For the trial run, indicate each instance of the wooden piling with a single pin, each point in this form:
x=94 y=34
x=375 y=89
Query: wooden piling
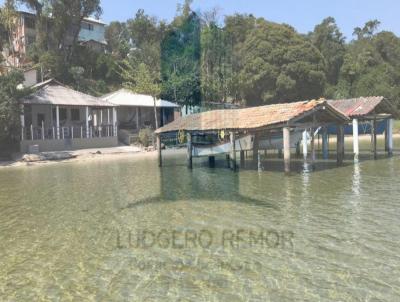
x=389 y=130
x=211 y=161
x=242 y=159
x=312 y=145
x=340 y=144
x=255 y=147
x=305 y=144
x=158 y=138
x=374 y=140
x=325 y=143
x=233 y=150
x=189 y=151
x=286 y=148
x=356 y=146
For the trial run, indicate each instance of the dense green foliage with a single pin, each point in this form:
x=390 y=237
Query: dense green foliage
x=9 y=105
x=196 y=58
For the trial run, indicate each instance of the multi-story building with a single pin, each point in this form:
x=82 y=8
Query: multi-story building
x=91 y=34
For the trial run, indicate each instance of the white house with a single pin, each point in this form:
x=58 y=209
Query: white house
x=56 y=118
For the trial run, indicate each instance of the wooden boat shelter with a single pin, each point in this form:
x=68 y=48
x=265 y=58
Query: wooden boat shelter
x=246 y=126
x=371 y=110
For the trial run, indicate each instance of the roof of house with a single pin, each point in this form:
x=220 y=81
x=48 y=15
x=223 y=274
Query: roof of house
x=52 y=92
x=254 y=118
x=363 y=106
x=125 y=97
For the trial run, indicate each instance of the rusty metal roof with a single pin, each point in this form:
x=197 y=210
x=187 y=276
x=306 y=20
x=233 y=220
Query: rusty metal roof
x=52 y=92
x=252 y=118
x=363 y=106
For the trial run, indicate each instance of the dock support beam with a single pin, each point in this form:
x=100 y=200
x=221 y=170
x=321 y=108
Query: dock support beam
x=305 y=144
x=233 y=150
x=242 y=159
x=189 y=151
x=159 y=150
x=325 y=143
x=389 y=136
x=340 y=144
x=374 y=140
x=356 y=143
x=255 y=148
x=312 y=145
x=211 y=161
x=286 y=148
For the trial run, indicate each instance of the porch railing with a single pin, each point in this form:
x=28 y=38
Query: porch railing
x=71 y=132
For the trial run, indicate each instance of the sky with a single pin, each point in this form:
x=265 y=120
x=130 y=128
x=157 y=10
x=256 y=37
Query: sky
x=301 y=14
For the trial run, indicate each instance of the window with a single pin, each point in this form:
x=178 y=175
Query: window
x=30 y=22
x=75 y=115
x=87 y=26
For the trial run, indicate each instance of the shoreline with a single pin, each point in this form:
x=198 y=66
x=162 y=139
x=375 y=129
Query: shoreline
x=86 y=155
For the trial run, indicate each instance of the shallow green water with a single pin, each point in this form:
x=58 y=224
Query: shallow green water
x=331 y=234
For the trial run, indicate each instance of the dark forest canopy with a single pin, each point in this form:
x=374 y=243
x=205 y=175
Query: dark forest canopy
x=194 y=58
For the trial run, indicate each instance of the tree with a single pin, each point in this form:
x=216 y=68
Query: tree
x=331 y=43
x=143 y=81
x=180 y=60
x=278 y=65
x=9 y=105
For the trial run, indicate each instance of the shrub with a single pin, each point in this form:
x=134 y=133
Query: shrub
x=145 y=136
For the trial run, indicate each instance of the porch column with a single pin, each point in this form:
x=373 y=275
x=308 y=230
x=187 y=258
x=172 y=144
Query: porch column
x=115 y=121
x=374 y=141
x=58 y=121
x=389 y=130
x=22 y=117
x=340 y=144
x=233 y=150
x=325 y=143
x=356 y=143
x=87 y=121
x=189 y=151
x=108 y=121
x=286 y=148
x=159 y=150
x=305 y=144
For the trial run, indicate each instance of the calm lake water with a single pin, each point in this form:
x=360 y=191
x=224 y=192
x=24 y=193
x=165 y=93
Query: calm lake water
x=125 y=230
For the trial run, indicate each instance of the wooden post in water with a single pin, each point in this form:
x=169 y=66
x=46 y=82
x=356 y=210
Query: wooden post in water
x=389 y=130
x=356 y=144
x=340 y=144
x=312 y=145
x=233 y=149
x=228 y=161
x=211 y=161
x=305 y=144
x=189 y=151
x=325 y=143
x=242 y=159
x=255 y=147
x=158 y=137
x=286 y=148
x=374 y=141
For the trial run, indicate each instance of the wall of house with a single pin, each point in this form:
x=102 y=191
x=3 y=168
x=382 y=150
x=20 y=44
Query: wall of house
x=70 y=144
x=30 y=78
x=96 y=32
